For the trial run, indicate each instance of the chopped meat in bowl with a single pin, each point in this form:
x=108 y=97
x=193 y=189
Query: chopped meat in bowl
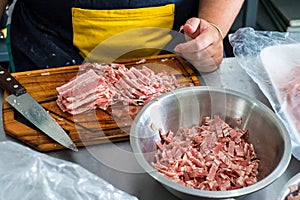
x=209 y=156
x=263 y=140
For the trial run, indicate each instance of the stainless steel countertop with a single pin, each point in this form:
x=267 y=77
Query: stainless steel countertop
x=118 y=171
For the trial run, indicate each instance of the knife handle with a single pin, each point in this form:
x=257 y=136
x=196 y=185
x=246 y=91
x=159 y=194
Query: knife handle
x=9 y=83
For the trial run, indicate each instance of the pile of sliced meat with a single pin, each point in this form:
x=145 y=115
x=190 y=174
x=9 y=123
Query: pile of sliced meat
x=212 y=156
x=102 y=85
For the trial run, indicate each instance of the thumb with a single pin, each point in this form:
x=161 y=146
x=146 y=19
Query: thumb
x=192 y=27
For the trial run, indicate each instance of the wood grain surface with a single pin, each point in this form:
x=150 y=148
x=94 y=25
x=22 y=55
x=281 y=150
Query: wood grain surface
x=91 y=127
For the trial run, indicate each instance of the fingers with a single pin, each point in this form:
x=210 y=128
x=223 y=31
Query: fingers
x=204 y=56
x=206 y=60
x=199 y=43
x=207 y=35
x=205 y=49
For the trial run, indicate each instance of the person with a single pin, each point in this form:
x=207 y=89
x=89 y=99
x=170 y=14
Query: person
x=44 y=34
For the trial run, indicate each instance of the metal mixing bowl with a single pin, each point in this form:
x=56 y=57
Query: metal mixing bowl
x=285 y=190
x=185 y=108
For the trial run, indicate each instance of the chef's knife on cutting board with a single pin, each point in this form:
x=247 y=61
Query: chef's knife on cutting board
x=32 y=110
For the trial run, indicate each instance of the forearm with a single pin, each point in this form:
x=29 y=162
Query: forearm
x=3 y=4
x=220 y=12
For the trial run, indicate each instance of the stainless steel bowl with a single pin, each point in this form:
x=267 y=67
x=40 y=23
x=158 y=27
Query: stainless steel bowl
x=185 y=108
x=285 y=190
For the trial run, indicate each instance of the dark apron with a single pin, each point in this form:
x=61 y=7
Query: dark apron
x=41 y=32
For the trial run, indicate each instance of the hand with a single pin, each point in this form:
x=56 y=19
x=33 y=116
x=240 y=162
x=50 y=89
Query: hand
x=204 y=46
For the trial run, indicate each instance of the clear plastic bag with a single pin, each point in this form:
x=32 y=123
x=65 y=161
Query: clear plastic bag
x=29 y=175
x=272 y=60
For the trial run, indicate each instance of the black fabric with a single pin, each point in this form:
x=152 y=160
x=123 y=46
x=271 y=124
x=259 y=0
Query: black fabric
x=41 y=34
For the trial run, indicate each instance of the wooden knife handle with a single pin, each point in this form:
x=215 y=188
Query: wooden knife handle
x=9 y=83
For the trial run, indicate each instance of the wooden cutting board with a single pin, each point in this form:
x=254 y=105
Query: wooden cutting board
x=92 y=127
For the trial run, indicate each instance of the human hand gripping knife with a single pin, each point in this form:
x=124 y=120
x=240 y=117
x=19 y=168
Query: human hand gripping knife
x=32 y=110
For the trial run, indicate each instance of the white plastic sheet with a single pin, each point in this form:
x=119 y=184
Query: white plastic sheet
x=29 y=175
x=272 y=60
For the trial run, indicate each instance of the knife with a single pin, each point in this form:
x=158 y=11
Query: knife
x=32 y=110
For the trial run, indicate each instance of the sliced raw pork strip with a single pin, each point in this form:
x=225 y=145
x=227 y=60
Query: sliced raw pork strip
x=85 y=92
x=102 y=85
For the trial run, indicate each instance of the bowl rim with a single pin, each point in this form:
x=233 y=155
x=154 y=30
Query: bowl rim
x=277 y=172
x=285 y=189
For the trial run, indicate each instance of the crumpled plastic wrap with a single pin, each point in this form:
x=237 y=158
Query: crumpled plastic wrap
x=28 y=175
x=263 y=55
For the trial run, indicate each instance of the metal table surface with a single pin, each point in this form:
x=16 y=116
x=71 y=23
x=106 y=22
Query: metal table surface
x=107 y=162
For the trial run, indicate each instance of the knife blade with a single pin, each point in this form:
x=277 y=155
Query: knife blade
x=26 y=105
